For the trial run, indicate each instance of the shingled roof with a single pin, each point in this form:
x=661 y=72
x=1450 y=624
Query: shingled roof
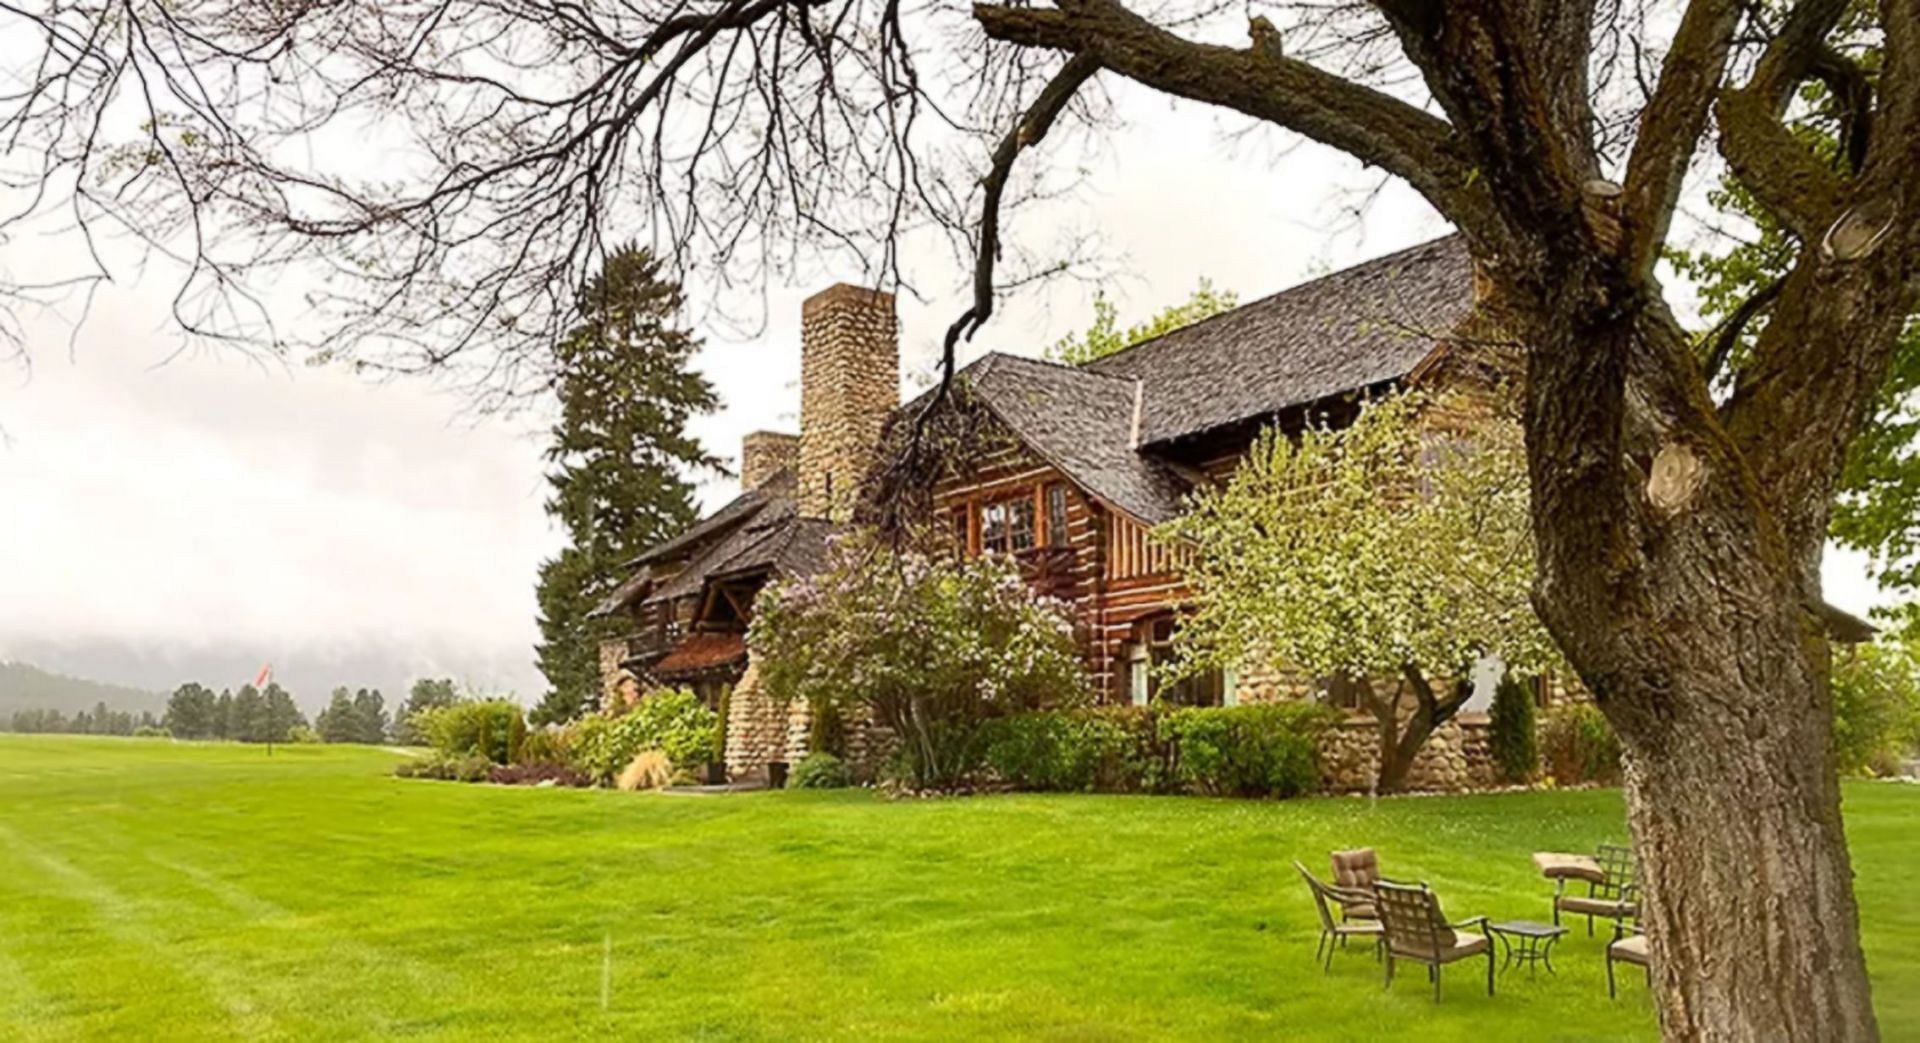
x=1354 y=329
x=1080 y=421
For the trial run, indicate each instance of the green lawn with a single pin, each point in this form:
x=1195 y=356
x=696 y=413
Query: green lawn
x=151 y=890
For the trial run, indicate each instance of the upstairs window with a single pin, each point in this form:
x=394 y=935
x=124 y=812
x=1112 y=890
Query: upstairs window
x=1006 y=527
x=1057 y=515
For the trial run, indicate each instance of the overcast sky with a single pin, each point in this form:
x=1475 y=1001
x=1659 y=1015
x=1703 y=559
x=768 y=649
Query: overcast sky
x=163 y=521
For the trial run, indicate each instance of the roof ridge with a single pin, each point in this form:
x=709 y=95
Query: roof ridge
x=1069 y=367
x=1348 y=270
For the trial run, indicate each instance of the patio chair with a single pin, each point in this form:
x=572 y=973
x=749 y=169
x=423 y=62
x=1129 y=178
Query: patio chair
x=1334 y=933
x=1355 y=873
x=1417 y=930
x=1611 y=896
x=1629 y=945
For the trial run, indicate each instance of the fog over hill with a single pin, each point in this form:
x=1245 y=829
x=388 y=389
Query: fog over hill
x=136 y=670
x=24 y=686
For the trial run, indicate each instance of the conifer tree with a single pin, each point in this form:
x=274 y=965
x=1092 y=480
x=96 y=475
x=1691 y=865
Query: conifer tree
x=620 y=458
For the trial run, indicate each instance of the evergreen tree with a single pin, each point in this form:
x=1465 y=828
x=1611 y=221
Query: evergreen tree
x=336 y=723
x=190 y=712
x=223 y=716
x=247 y=719
x=279 y=715
x=369 y=716
x=1510 y=731
x=619 y=456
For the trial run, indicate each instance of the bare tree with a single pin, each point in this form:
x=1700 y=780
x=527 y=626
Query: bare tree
x=1679 y=537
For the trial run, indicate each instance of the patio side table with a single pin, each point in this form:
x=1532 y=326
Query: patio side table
x=1526 y=943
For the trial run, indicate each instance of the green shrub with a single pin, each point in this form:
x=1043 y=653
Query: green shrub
x=1266 y=750
x=1876 y=708
x=673 y=721
x=1578 y=745
x=1106 y=749
x=302 y=735
x=820 y=770
x=467 y=767
x=148 y=731
x=491 y=728
x=1510 y=731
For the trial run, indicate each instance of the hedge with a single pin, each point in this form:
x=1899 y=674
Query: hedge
x=1267 y=750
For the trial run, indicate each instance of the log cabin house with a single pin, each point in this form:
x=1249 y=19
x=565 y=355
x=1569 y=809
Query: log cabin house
x=1077 y=464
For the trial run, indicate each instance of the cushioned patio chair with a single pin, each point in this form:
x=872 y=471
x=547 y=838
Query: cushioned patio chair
x=1629 y=945
x=1334 y=933
x=1610 y=897
x=1416 y=930
x=1355 y=873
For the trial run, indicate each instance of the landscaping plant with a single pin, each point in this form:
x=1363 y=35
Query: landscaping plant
x=671 y=720
x=491 y=728
x=820 y=770
x=1396 y=551
x=1510 y=731
x=929 y=645
x=1876 y=707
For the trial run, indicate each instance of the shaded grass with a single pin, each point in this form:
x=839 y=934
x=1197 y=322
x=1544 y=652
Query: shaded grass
x=159 y=890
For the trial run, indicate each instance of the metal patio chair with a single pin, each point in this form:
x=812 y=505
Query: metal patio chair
x=1417 y=930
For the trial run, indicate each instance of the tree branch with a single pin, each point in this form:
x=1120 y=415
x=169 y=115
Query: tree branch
x=1780 y=172
x=1258 y=81
x=1671 y=126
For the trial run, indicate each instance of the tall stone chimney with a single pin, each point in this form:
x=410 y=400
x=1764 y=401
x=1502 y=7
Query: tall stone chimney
x=764 y=454
x=849 y=383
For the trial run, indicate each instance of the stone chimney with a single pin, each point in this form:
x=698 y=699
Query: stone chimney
x=764 y=454
x=849 y=384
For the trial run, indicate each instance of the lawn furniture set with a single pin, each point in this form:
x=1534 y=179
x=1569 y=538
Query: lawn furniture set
x=1404 y=921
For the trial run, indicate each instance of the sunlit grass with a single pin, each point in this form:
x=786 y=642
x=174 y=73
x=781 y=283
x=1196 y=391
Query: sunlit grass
x=151 y=890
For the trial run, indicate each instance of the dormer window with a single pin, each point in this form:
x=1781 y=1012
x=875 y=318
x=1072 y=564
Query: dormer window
x=1006 y=527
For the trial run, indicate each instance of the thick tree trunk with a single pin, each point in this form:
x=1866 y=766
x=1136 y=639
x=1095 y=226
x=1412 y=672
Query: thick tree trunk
x=1736 y=817
x=1670 y=583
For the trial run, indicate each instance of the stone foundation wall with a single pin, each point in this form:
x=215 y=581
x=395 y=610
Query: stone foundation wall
x=618 y=686
x=756 y=728
x=1456 y=758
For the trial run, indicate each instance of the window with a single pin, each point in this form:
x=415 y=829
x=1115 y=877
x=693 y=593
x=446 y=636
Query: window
x=1152 y=651
x=1007 y=527
x=1342 y=691
x=1057 y=515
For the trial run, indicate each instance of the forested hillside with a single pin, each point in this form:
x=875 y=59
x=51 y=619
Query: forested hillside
x=27 y=687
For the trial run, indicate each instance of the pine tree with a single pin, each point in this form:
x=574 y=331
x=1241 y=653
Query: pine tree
x=247 y=718
x=191 y=711
x=620 y=455
x=336 y=723
x=279 y=715
x=369 y=716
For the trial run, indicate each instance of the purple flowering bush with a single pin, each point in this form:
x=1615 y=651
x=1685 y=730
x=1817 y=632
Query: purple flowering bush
x=931 y=646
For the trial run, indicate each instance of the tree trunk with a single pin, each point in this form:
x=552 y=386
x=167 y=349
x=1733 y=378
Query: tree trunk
x=1668 y=580
x=1748 y=888
x=1400 y=744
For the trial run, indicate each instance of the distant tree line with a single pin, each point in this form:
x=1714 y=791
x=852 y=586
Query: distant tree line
x=98 y=721
x=251 y=714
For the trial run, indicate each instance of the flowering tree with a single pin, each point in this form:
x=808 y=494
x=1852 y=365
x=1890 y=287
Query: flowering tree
x=929 y=645
x=1392 y=552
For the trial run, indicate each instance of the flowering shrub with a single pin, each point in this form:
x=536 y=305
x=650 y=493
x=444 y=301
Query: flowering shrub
x=931 y=646
x=671 y=720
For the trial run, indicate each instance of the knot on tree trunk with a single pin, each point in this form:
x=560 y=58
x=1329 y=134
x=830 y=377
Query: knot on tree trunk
x=1675 y=477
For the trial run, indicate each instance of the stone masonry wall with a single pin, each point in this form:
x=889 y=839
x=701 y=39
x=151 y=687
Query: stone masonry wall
x=756 y=727
x=1455 y=759
x=764 y=454
x=618 y=686
x=849 y=383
